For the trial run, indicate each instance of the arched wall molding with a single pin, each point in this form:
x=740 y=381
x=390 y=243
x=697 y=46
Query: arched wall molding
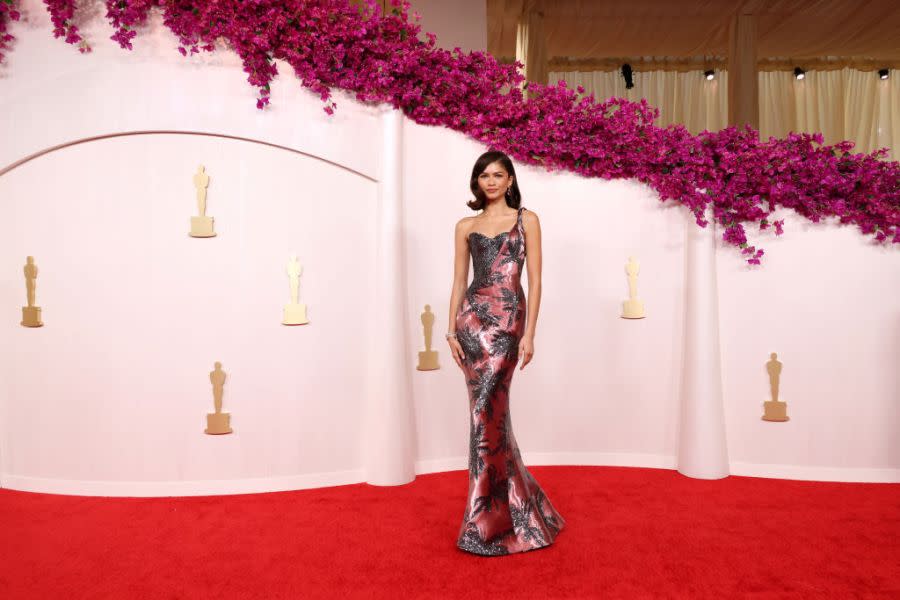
x=40 y=153
x=69 y=96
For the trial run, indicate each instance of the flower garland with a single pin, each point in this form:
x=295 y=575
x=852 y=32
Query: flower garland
x=61 y=13
x=380 y=58
x=8 y=13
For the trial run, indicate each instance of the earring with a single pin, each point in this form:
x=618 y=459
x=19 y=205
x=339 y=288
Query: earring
x=508 y=193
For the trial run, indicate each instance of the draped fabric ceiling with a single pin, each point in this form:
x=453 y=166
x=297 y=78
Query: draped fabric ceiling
x=581 y=34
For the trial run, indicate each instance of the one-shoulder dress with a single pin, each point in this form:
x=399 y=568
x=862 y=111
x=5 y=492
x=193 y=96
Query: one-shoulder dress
x=506 y=510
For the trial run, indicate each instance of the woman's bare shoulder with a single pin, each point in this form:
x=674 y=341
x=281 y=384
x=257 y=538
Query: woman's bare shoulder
x=529 y=216
x=464 y=224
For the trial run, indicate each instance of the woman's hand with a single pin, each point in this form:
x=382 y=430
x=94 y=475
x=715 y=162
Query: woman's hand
x=526 y=350
x=456 y=351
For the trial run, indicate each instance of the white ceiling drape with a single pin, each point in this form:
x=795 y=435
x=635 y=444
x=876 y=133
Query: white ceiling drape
x=686 y=98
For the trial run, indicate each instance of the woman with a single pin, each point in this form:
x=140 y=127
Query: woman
x=507 y=510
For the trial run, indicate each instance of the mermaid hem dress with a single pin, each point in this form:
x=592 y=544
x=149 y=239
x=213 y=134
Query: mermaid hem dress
x=506 y=510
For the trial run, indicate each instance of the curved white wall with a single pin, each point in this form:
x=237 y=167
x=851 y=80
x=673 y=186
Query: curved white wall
x=110 y=396
x=114 y=387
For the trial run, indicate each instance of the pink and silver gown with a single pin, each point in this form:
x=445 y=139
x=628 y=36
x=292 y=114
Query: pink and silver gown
x=506 y=511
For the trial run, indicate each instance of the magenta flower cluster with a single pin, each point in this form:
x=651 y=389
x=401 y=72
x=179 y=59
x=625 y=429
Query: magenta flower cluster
x=336 y=44
x=61 y=14
x=8 y=13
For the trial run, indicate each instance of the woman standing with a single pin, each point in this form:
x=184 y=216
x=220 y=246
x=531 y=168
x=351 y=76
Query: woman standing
x=507 y=511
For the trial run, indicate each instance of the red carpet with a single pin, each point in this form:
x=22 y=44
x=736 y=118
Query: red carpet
x=630 y=533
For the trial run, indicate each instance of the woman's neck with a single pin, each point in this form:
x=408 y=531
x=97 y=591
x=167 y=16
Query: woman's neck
x=497 y=208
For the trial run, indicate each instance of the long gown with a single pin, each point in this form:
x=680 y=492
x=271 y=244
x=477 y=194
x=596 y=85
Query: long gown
x=506 y=511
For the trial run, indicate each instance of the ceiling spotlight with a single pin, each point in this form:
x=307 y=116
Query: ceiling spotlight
x=710 y=75
x=883 y=73
x=626 y=73
x=799 y=73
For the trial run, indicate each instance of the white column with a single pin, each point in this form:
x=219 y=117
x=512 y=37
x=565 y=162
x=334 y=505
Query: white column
x=702 y=449
x=389 y=434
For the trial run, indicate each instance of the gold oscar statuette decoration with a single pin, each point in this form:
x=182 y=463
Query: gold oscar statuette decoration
x=773 y=409
x=201 y=225
x=218 y=422
x=428 y=360
x=31 y=314
x=632 y=308
x=294 y=313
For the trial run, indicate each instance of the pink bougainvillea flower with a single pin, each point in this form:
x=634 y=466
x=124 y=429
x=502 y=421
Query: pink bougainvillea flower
x=381 y=58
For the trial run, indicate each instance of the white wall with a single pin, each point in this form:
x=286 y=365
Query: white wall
x=115 y=386
x=110 y=396
x=600 y=388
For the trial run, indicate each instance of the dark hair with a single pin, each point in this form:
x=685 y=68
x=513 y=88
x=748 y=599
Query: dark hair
x=513 y=200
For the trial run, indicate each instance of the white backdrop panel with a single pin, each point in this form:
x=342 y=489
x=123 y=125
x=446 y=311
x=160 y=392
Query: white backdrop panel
x=110 y=396
x=115 y=386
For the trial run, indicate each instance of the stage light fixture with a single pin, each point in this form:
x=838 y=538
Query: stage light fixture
x=799 y=73
x=626 y=73
x=883 y=73
x=710 y=75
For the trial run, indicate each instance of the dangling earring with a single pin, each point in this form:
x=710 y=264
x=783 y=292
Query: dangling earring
x=508 y=193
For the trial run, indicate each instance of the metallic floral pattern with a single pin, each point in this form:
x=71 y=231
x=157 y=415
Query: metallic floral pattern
x=506 y=510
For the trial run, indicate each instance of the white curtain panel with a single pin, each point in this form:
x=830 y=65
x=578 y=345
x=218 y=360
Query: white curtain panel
x=842 y=104
x=681 y=97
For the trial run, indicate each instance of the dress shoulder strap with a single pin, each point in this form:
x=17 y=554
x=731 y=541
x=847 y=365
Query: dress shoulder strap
x=520 y=228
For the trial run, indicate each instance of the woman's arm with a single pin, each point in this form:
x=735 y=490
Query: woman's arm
x=460 y=279
x=532 y=226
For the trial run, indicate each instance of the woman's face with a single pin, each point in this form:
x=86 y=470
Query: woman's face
x=494 y=181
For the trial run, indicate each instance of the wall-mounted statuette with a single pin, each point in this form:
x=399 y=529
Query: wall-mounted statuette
x=428 y=360
x=201 y=226
x=294 y=313
x=31 y=314
x=632 y=308
x=218 y=422
x=774 y=410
